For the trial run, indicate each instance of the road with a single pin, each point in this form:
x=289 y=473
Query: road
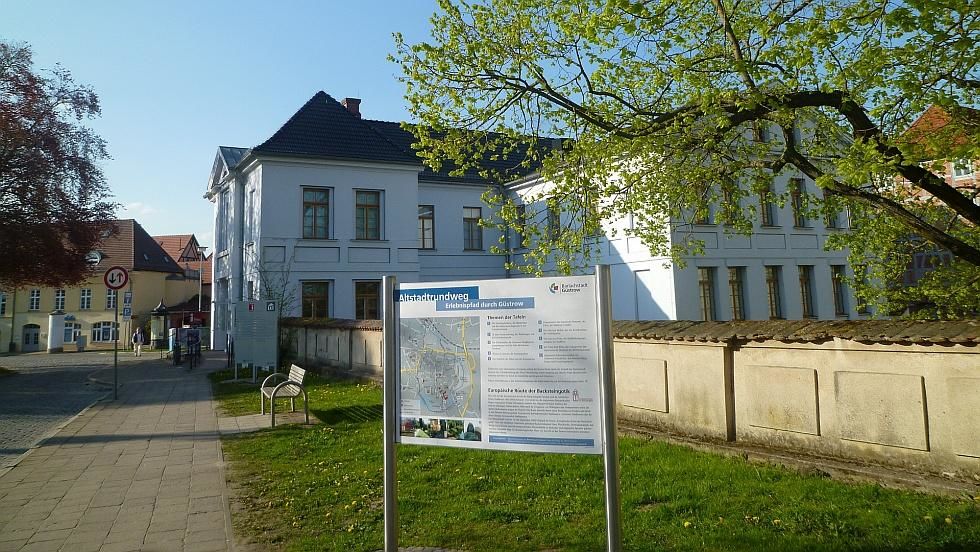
x=46 y=391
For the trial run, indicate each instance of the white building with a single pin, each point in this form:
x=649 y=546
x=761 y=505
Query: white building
x=331 y=202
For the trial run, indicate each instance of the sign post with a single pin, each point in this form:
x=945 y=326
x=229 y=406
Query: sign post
x=391 y=392
x=519 y=365
x=115 y=279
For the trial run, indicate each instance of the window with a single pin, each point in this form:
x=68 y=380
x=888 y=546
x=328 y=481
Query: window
x=315 y=299
x=832 y=213
x=861 y=275
x=554 y=222
x=366 y=300
x=774 y=285
x=3 y=303
x=736 y=290
x=110 y=299
x=72 y=331
x=250 y=216
x=85 y=299
x=35 y=300
x=224 y=211
x=367 y=215
x=59 y=299
x=472 y=233
x=962 y=167
x=730 y=206
x=767 y=211
x=760 y=131
x=703 y=215
x=838 y=275
x=797 y=189
x=316 y=213
x=797 y=132
x=102 y=332
x=706 y=284
x=806 y=291
x=520 y=226
x=427 y=227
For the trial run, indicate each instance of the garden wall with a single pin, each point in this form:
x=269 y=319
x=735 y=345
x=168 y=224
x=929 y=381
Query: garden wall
x=899 y=393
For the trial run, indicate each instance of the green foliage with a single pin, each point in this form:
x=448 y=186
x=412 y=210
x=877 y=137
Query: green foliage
x=320 y=488
x=659 y=99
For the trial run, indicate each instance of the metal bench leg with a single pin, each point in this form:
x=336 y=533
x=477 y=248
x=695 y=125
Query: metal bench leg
x=292 y=403
x=272 y=409
x=262 y=398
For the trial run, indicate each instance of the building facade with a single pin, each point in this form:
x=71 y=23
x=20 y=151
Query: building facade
x=89 y=307
x=316 y=214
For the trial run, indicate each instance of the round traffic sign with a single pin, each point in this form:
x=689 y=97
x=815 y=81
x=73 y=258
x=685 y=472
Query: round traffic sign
x=116 y=278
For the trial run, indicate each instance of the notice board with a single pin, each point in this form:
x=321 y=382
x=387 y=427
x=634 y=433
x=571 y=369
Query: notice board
x=500 y=364
x=256 y=333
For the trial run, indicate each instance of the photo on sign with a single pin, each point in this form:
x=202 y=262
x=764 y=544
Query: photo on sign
x=439 y=428
x=440 y=366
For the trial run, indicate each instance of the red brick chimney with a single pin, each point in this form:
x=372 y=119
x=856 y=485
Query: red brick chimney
x=353 y=105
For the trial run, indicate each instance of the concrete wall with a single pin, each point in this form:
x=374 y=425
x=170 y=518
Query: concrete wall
x=916 y=406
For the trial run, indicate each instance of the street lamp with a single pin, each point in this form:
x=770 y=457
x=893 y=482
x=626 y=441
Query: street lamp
x=200 y=278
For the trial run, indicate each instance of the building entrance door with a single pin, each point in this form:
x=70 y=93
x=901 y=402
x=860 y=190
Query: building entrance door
x=32 y=337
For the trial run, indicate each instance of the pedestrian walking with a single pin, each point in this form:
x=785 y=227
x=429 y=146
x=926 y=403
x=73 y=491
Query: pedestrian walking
x=138 y=342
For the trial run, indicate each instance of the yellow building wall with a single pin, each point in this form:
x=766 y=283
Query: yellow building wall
x=148 y=289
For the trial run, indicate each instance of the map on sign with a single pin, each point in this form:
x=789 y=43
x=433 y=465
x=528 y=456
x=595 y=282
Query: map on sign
x=441 y=366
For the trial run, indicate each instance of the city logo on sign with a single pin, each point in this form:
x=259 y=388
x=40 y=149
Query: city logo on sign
x=270 y=306
x=567 y=288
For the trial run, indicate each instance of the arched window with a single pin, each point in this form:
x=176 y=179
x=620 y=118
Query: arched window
x=102 y=332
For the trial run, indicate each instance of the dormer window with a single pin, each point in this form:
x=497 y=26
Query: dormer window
x=962 y=168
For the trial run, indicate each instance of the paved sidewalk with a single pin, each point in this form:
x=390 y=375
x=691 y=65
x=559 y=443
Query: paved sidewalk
x=140 y=473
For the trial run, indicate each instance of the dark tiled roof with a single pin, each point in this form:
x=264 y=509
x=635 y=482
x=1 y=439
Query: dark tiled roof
x=232 y=155
x=868 y=331
x=504 y=164
x=325 y=129
x=178 y=246
x=133 y=249
x=338 y=323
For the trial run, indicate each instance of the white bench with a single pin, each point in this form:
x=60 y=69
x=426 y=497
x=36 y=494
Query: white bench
x=291 y=388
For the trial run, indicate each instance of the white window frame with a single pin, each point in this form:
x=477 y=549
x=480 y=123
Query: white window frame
x=85 y=299
x=34 y=300
x=59 y=299
x=102 y=332
x=111 y=296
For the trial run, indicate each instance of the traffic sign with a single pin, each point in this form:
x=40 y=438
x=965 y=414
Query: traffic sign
x=116 y=278
x=128 y=298
x=127 y=311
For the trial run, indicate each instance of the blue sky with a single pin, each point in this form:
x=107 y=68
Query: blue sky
x=179 y=78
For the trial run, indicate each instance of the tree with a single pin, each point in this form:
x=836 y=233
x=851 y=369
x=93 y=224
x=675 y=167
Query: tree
x=53 y=207
x=659 y=99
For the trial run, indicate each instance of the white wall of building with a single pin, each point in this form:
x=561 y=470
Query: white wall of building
x=449 y=260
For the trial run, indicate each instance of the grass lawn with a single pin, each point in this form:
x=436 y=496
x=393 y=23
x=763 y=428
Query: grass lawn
x=320 y=488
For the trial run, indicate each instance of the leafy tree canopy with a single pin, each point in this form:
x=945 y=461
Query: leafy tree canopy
x=53 y=207
x=660 y=98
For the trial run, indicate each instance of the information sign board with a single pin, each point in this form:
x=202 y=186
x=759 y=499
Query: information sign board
x=500 y=364
x=256 y=333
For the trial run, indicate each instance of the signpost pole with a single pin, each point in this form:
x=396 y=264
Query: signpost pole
x=390 y=415
x=115 y=352
x=607 y=385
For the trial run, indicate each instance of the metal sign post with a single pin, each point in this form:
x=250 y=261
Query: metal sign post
x=607 y=384
x=115 y=279
x=390 y=366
